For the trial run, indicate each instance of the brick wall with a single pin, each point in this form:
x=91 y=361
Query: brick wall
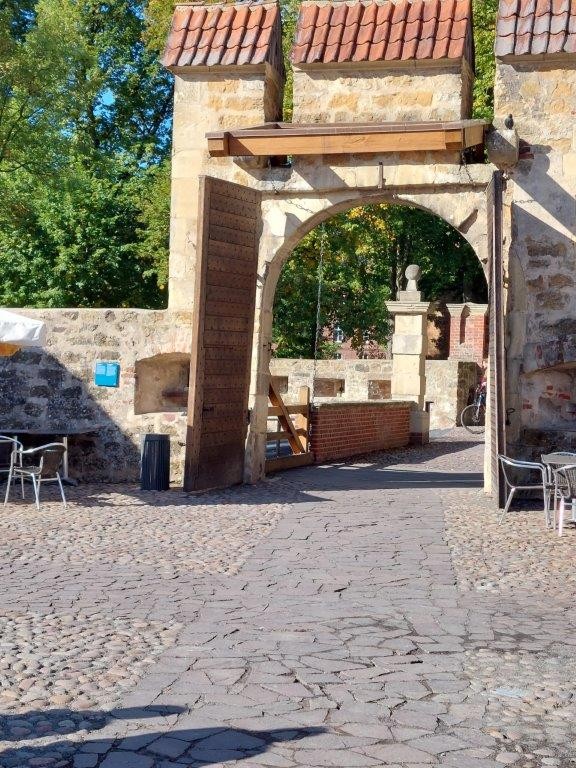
x=469 y=337
x=344 y=429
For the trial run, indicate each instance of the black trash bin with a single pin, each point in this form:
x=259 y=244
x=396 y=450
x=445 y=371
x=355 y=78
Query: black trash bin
x=155 y=472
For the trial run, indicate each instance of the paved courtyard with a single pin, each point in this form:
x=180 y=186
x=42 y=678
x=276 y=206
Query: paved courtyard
x=370 y=613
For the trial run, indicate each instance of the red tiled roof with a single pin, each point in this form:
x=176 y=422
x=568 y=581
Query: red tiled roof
x=212 y=35
x=535 y=27
x=393 y=30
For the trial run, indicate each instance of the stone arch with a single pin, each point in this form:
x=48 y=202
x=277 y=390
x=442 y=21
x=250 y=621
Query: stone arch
x=288 y=218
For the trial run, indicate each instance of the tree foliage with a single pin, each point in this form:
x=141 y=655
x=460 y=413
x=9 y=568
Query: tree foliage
x=484 y=31
x=364 y=253
x=84 y=134
x=84 y=167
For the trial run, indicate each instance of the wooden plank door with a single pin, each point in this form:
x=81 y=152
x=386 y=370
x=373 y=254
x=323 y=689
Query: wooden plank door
x=229 y=225
x=497 y=393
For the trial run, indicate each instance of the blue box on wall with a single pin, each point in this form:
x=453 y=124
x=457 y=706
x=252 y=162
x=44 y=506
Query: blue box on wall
x=107 y=374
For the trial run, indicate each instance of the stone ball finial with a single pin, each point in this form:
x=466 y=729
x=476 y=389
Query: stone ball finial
x=412 y=273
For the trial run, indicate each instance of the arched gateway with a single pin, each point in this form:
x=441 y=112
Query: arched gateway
x=382 y=101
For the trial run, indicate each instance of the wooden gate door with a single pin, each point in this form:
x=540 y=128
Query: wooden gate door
x=497 y=393
x=229 y=226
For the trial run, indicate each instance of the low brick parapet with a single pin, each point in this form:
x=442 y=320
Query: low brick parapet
x=343 y=429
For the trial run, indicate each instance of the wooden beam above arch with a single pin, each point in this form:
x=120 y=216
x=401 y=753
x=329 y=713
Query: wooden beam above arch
x=273 y=139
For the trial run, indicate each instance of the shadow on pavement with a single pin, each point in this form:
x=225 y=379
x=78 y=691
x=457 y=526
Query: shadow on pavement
x=302 y=486
x=179 y=747
x=60 y=722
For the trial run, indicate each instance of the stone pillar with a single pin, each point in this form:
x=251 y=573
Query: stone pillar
x=409 y=344
x=216 y=86
x=468 y=332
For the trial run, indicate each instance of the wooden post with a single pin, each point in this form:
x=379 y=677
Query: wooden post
x=303 y=419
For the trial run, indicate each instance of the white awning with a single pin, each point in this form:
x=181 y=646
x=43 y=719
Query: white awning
x=21 y=331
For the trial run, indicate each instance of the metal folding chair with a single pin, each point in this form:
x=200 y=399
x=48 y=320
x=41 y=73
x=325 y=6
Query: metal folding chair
x=7 y=447
x=511 y=468
x=40 y=465
x=566 y=489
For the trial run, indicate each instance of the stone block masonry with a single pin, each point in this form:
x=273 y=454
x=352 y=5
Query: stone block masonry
x=340 y=430
x=540 y=258
x=448 y=382
x=54 y=387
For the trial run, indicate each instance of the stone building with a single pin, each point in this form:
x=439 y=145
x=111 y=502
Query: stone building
x=536 y=83
x=400 y=75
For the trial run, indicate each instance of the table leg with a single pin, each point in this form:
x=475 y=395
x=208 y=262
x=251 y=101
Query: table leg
x=65 y=458
x=64 y=477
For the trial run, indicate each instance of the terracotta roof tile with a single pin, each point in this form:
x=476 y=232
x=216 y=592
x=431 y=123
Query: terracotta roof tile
x=425 y=48
x=398 y=23
x=382 y=27
x=455 y=48
x=430 y=11
x=536 y=27
x=333 y=31
x=441 y=46
x=226 y=34
x=335 y=34
x=365 y=33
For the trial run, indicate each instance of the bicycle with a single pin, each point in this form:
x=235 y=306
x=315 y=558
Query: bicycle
x=473 y=417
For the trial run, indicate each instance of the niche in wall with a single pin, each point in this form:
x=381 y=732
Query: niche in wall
x=162 y=383
x=379 y=389
x=281 y=384
x=329 y=387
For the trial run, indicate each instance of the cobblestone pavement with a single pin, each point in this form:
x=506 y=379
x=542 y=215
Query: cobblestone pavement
x=349 y=637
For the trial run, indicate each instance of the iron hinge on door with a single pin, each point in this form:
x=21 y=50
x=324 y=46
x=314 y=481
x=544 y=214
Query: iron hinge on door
x=248 y=416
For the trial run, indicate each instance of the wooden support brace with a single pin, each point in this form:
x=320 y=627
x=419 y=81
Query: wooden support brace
x=285 y=420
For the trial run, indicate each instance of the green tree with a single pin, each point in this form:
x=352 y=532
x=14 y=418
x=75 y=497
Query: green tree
x=484 y=31
x=37 y=54
x=78 y=226
x=365 y=252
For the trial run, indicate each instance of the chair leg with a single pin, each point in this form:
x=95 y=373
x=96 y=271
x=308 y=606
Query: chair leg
x=8 y=484
x=36 y=485
x=61 y=488
x=508 y=502
x=547 y=516
x=561 y=516
x=22 y=484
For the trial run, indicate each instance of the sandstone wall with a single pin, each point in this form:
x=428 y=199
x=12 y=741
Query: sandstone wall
x=541 y=254
x=448 y=383
x=415 y=92
x=204 y=101
x=54 y=387
x=448 y=387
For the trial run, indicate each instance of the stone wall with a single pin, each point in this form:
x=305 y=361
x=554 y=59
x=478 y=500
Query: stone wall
x=341 y=430
x=448 y=382
x=237 y=97
x=53 y=388
x=416 y=91
x=354 y=374
x=541 y=255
